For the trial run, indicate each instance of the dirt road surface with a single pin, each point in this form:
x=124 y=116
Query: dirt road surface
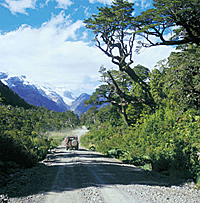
x=82 y=176
x=87 y=176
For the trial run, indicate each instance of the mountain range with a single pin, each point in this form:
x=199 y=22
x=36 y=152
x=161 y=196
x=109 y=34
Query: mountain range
x=45 y=95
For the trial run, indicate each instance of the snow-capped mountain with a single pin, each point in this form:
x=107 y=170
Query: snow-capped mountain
x=48 y=96
x=48 y=92
x=3 y=75
x=31 y=93
x=68 y=97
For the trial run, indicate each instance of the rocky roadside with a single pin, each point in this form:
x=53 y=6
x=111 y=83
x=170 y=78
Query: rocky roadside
x=29 y=185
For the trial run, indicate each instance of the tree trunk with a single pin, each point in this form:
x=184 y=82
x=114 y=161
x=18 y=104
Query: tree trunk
x=124 y=115
x=148 y=97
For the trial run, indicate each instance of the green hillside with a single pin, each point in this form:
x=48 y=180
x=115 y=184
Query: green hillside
x=8 y=97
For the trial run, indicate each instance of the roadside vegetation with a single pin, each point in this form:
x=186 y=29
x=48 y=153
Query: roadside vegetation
x=24 y=140
x=152 y=118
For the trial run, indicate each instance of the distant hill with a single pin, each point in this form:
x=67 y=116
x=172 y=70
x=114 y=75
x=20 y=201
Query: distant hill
x=11 y=98
x=78 y=105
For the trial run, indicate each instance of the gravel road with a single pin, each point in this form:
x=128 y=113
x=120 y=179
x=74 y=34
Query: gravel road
x=87 y=176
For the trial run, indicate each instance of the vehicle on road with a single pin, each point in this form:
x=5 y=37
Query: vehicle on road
x=72 y=142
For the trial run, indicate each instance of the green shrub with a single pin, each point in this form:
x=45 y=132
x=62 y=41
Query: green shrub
x=13 y=150
x=166 y=141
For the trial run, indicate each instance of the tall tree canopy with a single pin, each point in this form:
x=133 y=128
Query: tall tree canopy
x=183 y=76
x=115 y=37
x=180 y=18
x=120 y=91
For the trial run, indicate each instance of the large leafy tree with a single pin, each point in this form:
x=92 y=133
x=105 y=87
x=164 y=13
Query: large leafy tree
x=89 y=117
x=181 y=18
x=183 y=76
x=115 y=37
x=157 y=84
x=115 y=91
x=120 y=91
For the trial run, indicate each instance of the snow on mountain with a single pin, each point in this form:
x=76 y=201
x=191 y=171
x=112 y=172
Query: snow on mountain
x=52 y=98
x=3 y=75
x=31 y=93
x=69 y=94
x=48 y=92
x=13 y=80
x=68 y=97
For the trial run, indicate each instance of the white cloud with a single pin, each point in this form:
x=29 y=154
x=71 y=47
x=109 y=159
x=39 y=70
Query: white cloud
x=101 y=1
x=61 y=3
x=55 y=54
x=19 y=6
x=86 y=11
x=52 y=54
x=64 y=3
x=143 y=3
x=150 y=56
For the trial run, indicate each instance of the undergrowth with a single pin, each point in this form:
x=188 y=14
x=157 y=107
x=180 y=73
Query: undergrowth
x=163 y=142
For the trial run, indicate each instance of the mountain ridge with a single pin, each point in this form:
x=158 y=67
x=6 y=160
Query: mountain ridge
x=45 y=95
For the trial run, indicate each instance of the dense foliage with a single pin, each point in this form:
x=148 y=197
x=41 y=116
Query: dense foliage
x=181 y=18
x=23 y=141
x=165 y=142
x=163 y=136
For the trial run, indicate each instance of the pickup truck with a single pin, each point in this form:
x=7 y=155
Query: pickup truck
x=72 y=142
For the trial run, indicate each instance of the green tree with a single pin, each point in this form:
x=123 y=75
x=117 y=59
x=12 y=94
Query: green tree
x=109 y=114
x=1 y=99
x=183 y=76
x=142 y=71
x=89 y=117
x=179 y=17
x=157 y=84
x=115 y=91
x=115 y=37
x=120 y=91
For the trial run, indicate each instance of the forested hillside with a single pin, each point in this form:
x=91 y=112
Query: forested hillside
x=23 y=139
x=153 y=119
x=8 y=97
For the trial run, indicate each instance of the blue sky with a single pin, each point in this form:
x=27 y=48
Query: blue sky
x=46 y=40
